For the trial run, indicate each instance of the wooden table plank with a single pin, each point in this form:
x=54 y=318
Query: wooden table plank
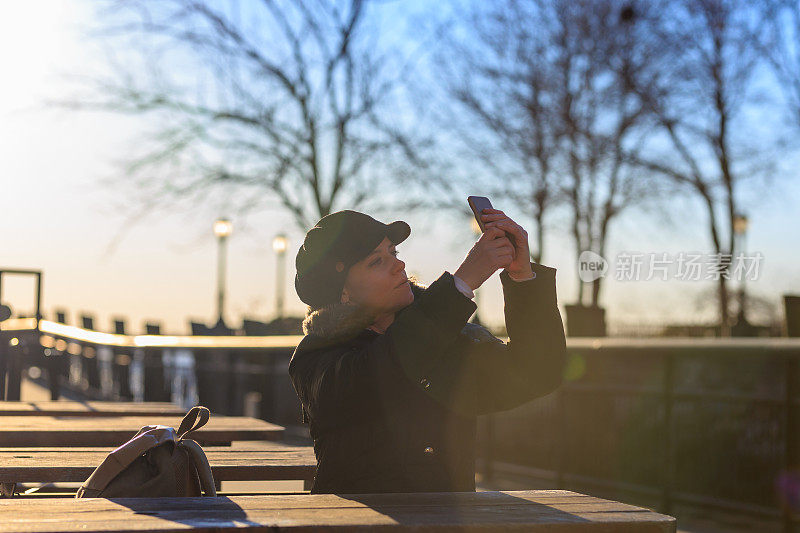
x=18 y=431
x=532 y=510
x=90 y=408
x=270 y=462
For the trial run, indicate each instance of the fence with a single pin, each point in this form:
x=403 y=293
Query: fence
x=227 y=374
x=678 y=425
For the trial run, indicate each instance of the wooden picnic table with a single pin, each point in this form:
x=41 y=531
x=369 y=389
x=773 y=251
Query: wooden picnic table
x=90 y=408
x=259 y=461
x=18 y=431
x=529 y=510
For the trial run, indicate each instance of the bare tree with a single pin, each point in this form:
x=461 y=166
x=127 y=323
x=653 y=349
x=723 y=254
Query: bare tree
x=781 y=48
x=497 y=76
x=596 y=50
x=696 y=92
x=282 y=100
x=540 y=88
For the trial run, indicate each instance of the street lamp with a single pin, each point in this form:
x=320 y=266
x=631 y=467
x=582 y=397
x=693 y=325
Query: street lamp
x=280 y=243
x=222 y=229
x=740 y=222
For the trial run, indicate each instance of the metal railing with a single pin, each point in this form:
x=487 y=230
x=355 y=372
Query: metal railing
x=674 y=424
x=226 y=371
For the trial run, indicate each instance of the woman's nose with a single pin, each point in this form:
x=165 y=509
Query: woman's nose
x=400 y=265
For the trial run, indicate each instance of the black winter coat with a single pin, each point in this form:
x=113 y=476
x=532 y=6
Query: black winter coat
x=396 y=412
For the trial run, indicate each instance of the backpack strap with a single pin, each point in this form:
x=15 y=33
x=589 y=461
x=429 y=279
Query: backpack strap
x=194 y=419
x=201 y=465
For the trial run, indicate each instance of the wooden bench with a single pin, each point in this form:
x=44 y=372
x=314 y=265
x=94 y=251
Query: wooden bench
x=90 y=408
x=19 y=431
x=530 y=510
x=267 y=461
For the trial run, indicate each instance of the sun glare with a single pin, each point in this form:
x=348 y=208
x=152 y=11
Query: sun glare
x=35 y=42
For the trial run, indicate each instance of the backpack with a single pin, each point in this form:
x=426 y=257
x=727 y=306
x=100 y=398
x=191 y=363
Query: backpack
x=157 y=461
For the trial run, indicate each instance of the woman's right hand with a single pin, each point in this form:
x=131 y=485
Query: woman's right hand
x=492 y=252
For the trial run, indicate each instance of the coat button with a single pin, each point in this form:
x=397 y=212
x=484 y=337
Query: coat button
x=476 y=339
x=425 y=383
x=429 y=449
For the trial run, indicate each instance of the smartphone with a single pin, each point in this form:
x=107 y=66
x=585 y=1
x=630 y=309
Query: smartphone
x=478 y=204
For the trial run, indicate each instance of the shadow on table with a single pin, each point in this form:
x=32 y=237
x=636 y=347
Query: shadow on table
x=196 y=512
x=464 y=508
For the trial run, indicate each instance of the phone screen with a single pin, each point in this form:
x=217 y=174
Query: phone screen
x=477 y=204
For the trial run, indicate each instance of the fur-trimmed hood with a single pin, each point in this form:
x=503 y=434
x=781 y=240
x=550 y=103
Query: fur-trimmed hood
x=344 y=320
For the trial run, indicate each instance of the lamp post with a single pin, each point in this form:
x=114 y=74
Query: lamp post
x=740 y=229
x=279 y=244
x=222 y=229
x=476 y=229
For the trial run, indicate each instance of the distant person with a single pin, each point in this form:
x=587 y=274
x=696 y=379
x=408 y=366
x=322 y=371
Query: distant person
x=390 y=374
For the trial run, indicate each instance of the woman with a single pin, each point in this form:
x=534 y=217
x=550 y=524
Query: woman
x=391 y=376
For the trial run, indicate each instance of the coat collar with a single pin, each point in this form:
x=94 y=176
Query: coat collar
x=343 y=321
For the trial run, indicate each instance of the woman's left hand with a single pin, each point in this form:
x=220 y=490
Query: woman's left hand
x=520 y=266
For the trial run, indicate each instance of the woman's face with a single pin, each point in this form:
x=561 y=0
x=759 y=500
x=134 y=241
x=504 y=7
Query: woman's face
x=379 y=281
